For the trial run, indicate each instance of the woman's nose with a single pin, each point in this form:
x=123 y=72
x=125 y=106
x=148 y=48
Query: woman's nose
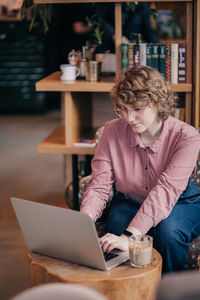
x=130 y=116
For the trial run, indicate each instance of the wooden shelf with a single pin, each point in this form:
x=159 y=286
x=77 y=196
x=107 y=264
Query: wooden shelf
x=183 y=87
x=10 y=19
x=92 y=1
x=55 y=144
x=54 y=84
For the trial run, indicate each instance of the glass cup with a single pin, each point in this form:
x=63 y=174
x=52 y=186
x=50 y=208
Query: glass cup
x=93 y=71
x=140 y=250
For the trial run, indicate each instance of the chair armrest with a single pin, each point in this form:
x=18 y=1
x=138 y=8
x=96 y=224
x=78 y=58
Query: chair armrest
x=198 y=262
x=83 y=185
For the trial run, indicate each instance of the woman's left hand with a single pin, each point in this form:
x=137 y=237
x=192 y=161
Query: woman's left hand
x=111 y=241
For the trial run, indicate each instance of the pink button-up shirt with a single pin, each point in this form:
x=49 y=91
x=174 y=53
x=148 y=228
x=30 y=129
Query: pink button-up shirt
x=154 y=176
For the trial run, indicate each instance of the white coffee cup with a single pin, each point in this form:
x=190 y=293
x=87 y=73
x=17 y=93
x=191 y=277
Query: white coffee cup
x=69 y=73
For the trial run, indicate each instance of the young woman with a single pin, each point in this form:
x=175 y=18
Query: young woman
x=148 y=156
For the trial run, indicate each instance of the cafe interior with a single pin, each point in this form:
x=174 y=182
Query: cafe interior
x=41 y=118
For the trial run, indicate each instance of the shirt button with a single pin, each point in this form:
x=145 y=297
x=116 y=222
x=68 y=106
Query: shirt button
x=146 y=168
x=146 y=188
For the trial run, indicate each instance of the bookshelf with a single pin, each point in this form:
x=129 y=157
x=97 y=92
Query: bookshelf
x=77 y=100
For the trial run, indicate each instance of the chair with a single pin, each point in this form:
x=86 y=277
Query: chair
x=193 y=260
x=179 y=286
x=59 y=291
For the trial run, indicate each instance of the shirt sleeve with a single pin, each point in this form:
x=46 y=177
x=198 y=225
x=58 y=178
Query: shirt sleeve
x=100 y=185
x=170 y=185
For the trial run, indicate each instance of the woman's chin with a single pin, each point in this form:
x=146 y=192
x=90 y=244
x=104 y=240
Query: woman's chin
x=137 y=128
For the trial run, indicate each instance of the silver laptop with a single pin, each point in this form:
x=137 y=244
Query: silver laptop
x=63 y=233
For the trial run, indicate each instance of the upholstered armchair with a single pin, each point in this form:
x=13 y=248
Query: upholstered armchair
x=193 y=260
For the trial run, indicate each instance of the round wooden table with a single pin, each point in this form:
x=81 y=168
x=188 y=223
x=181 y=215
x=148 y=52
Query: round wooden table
x=122 y=282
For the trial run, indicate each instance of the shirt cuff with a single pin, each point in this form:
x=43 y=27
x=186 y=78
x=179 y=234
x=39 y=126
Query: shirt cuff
x=142 y=222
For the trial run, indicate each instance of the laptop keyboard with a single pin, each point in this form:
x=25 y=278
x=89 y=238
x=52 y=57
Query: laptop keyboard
x=109 y=256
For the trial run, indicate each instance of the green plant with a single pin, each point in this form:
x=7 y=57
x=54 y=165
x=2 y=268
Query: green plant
x=97 y=33
x=37 y=14
x=153 y=11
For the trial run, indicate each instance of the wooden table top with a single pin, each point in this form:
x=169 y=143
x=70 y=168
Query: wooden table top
x=71 y=272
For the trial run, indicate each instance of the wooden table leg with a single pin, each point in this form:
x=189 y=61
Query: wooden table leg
x=75 y=181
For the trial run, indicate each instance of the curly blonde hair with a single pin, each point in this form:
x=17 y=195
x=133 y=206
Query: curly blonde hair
x=142 y=85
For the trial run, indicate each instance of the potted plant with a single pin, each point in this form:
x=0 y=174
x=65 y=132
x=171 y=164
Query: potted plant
x=37 y=14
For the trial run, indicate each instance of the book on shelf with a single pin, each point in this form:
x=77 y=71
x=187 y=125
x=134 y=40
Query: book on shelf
x=124 y=56
x=142 y=51
x=155 y=56
x=177 y=113
x=182 y=63
x=130 y=54
x=180 y=113
x=162 y=60
x=85 y=142
x=169 y=59
x=148 y=54
x=136 y=58
x=168 y=62
x=174 y=63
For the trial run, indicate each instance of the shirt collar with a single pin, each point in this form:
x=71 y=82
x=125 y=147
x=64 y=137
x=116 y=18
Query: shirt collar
x=155 y=146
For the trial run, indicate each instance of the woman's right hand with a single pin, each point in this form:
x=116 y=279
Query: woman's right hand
x=111 y=241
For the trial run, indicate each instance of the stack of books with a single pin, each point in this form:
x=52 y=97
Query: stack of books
x=169 y=59
x=85 y=142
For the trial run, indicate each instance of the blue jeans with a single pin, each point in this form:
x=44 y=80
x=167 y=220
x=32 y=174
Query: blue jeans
x=172 y=236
